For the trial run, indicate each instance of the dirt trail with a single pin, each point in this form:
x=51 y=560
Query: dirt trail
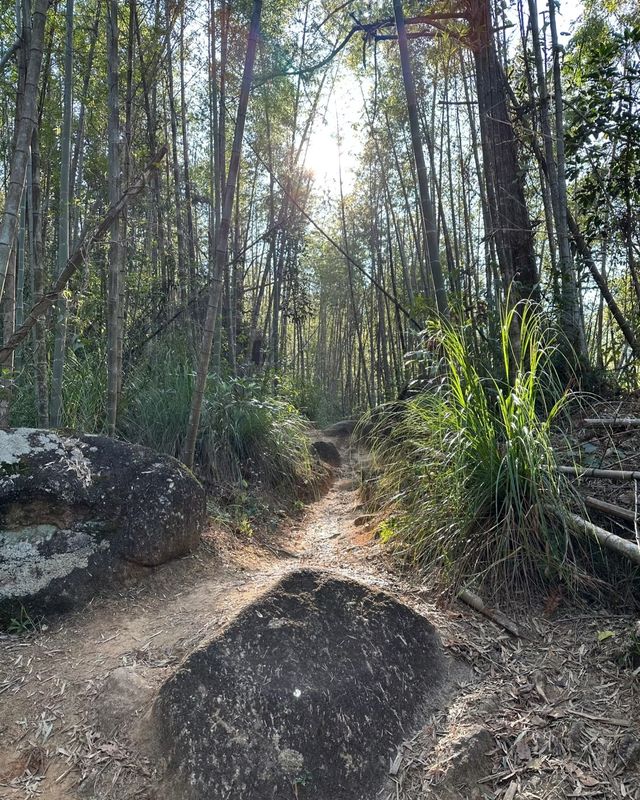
x=549 y=706
x=50 y=683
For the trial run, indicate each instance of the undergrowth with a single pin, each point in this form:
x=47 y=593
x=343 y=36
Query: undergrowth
x=249 y=439
x=467 y=471
x=245 y=433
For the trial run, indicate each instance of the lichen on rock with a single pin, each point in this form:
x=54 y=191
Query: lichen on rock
x=78 y=513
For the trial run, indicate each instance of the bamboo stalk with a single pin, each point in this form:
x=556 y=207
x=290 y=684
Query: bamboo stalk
x=478 y=604
x=610 y=508
x=616 y=543
x=77 y=258
x=612 y=422
x=611 y=474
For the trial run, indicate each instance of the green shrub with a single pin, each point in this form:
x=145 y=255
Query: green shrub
x=467 y=471
x=247 y=436
x=245 y=433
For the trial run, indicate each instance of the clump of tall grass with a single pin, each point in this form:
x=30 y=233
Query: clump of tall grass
x=467 y=472
x=245 y=435
x=248 y=437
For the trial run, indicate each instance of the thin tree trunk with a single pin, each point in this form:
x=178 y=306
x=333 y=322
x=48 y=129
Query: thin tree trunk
x=177 y=196
x=24 y=130
x=190 y=236
x=79 y=257
x=115 y=246
x=34 y=201
x=63 y=223
x=222 y=242
x=570 y=311
x=8 y=328
x=426 y=203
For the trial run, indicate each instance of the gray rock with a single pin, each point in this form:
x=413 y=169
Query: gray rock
x=123 y=697
x=307 y=693
x=80 y=513
x=327 y=452
x=343 y=428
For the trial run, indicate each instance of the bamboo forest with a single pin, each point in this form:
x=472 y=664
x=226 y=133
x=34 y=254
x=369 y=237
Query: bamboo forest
x=319 y=399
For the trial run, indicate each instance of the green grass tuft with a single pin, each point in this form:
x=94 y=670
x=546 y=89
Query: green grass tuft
x=467 y=471
x=246 y=434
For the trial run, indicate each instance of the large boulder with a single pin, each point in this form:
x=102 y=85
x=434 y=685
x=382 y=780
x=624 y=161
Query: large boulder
x=308 y=693
x=327 y=452
x=344 y=427
x=78 y=513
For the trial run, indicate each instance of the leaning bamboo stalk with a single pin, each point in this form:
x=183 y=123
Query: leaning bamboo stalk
x=222 y=240
x=78 y=257
x=611 y=474
x=612 y=422
x=616 y=543
x=610 y=508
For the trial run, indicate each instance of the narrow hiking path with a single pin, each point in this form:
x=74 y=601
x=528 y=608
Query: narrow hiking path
x=545 y=716
x=52 y=703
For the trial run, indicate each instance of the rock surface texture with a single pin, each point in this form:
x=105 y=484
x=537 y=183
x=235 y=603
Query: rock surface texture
x=343 y=428
x=77 y=513
x=308 y=694
x=327 y=452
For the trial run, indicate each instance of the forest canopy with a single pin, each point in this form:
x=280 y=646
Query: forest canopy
x=308 y=185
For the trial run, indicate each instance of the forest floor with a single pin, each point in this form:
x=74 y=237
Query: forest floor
x=553 y=715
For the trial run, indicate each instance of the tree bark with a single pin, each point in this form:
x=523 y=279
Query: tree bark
x=511 y=225
x=222 y=239
x=24 y=129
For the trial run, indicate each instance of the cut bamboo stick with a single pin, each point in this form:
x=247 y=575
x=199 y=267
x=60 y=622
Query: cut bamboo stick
x=478 y=604
x=610 y=508
x=616 y=543
x=611 y=474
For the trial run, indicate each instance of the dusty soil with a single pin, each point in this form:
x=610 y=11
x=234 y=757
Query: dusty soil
x=553 y=715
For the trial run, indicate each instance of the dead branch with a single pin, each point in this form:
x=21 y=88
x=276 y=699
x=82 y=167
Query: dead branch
x=610 y=474
x=610 y=508
x=612 y=422
x=478 y=604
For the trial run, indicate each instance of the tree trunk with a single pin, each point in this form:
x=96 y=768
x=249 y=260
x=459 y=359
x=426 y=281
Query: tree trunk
x=509 y=214
x=426 y=202
x=24 y=129
x=63 y=223
x=115 y=245
x=570 y=316
x=222 y=239
x=34 y=202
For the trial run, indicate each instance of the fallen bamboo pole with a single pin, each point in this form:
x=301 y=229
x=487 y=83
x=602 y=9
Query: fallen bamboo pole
x=610 y=508
x=616 y=543
x=612 y=422
x=611 y=474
